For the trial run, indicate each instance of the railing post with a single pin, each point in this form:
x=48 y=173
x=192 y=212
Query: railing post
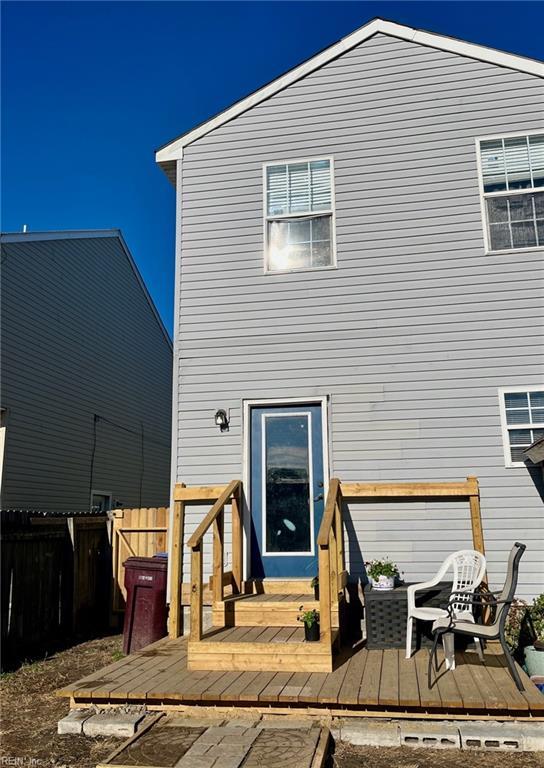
x=325 y=596
x=196 y=592
x=333 y=560
x=237 y=539
x=339 y=536
x=218 y=556
x=176 y=572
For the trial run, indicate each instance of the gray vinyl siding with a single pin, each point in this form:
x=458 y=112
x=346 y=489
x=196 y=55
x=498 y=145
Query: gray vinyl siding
x=79 y=337
x=414 y=332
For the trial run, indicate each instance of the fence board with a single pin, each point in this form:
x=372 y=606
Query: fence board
x=55 y=582
x=135 y=533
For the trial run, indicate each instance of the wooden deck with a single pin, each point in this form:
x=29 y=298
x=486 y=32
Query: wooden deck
x=363 y=683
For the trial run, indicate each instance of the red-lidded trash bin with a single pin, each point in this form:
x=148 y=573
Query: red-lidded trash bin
x=146 y=611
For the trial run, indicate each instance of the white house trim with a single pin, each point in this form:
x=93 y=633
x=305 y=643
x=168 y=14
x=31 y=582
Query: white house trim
x=506 y=193
x=173 y=150
x=504 y=426
x=331 y=213
x=247 y=405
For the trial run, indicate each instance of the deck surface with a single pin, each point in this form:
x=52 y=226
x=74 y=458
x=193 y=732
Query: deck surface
x=362 y=679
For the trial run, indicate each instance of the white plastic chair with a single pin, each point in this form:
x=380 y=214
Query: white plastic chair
x=468 y=568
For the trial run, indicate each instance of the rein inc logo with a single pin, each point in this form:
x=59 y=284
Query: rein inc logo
x=21 y=761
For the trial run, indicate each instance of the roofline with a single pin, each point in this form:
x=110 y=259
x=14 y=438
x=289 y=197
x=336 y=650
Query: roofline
x=173 y=150
x=60 y=234
x=75 y=234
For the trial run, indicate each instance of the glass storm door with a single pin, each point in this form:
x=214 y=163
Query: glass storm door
x=287 y=494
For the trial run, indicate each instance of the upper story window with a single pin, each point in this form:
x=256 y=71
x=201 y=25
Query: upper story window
x=299 y=215
x=522 y=417
x=512 y=185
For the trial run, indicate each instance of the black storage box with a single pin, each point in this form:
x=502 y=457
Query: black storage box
x=386 y=614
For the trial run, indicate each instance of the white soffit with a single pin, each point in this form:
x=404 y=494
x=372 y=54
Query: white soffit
x=174 y=150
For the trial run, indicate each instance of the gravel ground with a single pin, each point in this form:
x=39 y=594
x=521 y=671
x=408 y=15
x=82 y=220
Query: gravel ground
x=30 y=710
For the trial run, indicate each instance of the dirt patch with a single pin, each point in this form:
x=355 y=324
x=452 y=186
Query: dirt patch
x=30 y=709
x=346 y=756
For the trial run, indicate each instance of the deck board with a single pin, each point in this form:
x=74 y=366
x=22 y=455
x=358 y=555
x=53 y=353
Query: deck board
x=408 y=685
x=370 y=684
x=349 y=692
x=388 y=695
x=363 y=679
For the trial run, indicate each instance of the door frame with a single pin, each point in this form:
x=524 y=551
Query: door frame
x=247 y=405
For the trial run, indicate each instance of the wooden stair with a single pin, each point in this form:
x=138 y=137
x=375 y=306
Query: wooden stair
x=255 y=628
x=258 y=649
x=265 y=610
x=259 y=631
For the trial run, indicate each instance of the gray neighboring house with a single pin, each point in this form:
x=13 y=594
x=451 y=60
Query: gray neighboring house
x=360 y=249
x=86 y=371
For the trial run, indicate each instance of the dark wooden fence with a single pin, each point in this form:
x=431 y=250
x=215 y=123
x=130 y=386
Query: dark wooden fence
x=55 y=582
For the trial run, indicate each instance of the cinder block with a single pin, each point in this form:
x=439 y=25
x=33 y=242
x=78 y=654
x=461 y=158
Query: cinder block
x=509 y=736
x=367 y=732
x=436 y=734
x=73 y=722
x=532 y=735
x=112 y=723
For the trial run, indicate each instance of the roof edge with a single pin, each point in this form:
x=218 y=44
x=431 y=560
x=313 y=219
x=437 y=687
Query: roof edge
x=60 y=234
x=75 y=234
x=173 y=150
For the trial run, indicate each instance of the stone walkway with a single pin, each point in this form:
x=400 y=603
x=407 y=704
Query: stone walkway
x=177 y=742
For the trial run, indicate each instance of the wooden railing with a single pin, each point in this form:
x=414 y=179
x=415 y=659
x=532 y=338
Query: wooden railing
x=221 y=495
x=331 y=560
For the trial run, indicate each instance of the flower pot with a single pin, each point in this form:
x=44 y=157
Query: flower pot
x=383 y=582
x=316 y=592
x=534 y=661
x=311 y=633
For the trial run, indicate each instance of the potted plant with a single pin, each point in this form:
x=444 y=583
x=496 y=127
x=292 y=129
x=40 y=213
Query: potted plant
x=534 y=654
x=315 y=586
x=310 y=619
x=382 y=573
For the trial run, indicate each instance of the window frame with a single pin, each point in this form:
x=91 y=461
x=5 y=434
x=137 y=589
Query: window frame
x=107 y=494
x=505 y=428
x=287 y=216
x=505 y=193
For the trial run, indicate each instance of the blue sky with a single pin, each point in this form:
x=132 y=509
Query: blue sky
x=90 y=90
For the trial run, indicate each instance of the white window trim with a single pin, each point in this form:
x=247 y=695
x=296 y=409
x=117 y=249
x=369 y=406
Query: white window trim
x=331 y=212
x=325 y=402
x=504 y=426
x=483 y=207
x=294 y=553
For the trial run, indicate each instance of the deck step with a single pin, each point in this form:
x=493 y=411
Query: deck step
x=256 y=649
x=265 y=610
x=270 y=610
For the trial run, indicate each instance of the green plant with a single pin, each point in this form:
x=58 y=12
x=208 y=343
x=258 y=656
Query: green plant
x=314 y=582
x=309 y=618
x=377 y=568
x=514 y=620
x=536 y=612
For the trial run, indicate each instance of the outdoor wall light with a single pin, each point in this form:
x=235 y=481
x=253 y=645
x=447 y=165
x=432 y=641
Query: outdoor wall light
x=221 y=420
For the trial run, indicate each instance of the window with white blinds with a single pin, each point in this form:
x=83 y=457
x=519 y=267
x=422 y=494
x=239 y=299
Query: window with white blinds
x=522 y=416
x=512 y=183
x=299 y=216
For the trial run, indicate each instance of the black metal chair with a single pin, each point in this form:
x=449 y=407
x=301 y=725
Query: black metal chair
x=497 y=603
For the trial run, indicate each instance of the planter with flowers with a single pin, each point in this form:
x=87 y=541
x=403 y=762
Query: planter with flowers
x=310 y=619
x=382 y=573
